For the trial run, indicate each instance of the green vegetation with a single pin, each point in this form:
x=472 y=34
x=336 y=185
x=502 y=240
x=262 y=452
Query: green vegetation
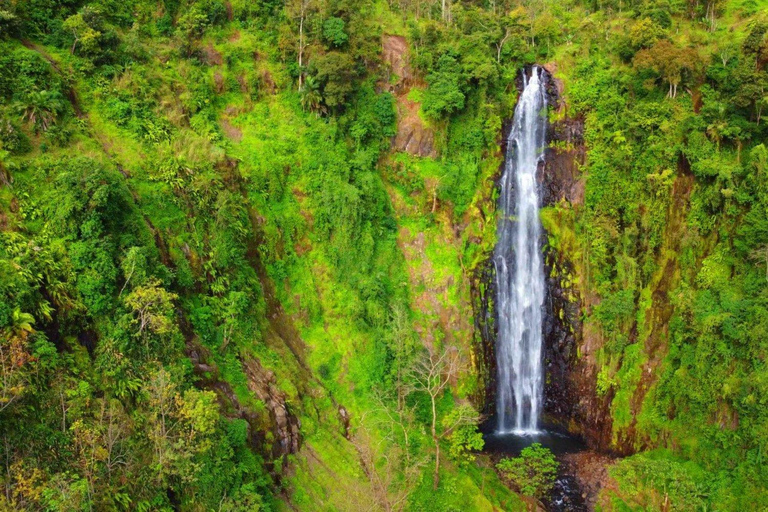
x=534 y=472
x=206 y=240
x=667 y=243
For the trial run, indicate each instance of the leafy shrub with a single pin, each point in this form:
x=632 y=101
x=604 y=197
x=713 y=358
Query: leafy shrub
x=337 y=73
x=465 y=440
x=676 y=485
x=444 y=95
x=12 y=138
x=534 y=471
x=333 y=32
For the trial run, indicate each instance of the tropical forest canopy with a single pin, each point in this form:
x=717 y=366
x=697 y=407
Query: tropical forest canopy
x=226 y=285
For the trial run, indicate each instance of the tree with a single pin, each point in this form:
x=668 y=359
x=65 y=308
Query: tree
x=668 y=61
x=333 y=32
x=101 y=444
x=534 y=471
x=180 y=425
x=337 y=73
x=431 y=375
x=300 y=9
x=152 y=311
x=41 y=108
x=460 y=426
x=712 y=7
x=83 y=34
x=153 y=306
x=444 y=95
x=190 y=27
x=760 y=254
x=391 y=472
x=751 y=75
x=445 y=10
x=513 y=27
x=311 y=99
x=402 y=344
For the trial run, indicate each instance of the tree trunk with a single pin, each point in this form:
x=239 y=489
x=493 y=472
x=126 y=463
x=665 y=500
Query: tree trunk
x=436 y=478
x=301 y=49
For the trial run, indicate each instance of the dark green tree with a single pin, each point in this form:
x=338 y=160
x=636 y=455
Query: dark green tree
x=534 y=472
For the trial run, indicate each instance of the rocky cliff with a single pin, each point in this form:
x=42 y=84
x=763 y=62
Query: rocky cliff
x=571 y=400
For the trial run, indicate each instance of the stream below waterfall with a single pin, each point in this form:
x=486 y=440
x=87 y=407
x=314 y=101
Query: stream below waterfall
x=567 y=495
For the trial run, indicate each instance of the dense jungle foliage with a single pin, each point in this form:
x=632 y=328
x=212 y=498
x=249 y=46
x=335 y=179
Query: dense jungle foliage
x=222 y=288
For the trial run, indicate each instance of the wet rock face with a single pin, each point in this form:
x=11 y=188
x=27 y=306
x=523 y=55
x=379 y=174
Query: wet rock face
x=562 y=159
x=278 y=419
x=565 y=151
x=570 y=397
x=483 y=291
x=285 y=425
x=562 y=329
x=559 y=179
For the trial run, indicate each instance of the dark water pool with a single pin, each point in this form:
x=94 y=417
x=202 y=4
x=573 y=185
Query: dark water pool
x=510 y=444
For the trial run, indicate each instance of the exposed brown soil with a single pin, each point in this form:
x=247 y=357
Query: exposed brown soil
x=218 y=83
x=210 y=56
x=413 y=136
x=243 y=84
x=395 y=53
x=267 y=82
x=231 y=131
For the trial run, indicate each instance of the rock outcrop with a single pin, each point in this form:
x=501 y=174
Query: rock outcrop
x=413 y=135
x=285 y=425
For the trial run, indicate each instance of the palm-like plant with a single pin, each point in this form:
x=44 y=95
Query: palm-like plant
x=41 y=108
x=310 y=95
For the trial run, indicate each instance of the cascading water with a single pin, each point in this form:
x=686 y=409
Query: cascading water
x=519 y=267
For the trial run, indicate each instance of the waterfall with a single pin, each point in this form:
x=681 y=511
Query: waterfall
x=519 y=268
